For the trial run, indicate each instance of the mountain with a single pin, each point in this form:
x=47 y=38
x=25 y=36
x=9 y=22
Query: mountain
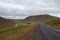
x=1 y=19
x=5 y=23
x=40 y=18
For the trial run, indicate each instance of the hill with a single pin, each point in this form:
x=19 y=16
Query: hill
x=40 y=18
x=5 y=23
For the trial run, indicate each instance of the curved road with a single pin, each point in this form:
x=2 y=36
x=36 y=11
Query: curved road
x=44 y=32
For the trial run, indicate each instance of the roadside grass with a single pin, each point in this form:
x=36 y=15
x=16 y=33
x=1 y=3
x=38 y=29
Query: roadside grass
x=20 y=26
x=6 y=25
x=16 y=34
x=55 y=22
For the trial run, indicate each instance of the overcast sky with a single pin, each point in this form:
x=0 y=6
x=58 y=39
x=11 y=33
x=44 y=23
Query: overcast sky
x=19 y=9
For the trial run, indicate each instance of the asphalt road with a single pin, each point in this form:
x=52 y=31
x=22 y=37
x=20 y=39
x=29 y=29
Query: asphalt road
x=44 y=32
x=49 y=32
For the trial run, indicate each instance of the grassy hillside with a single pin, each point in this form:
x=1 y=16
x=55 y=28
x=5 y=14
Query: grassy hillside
x=5 y=23
x=55 y=22
x=13 y=28
x=17 y=32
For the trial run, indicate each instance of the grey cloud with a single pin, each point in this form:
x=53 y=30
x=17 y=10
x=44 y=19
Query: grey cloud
x=24 y=8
